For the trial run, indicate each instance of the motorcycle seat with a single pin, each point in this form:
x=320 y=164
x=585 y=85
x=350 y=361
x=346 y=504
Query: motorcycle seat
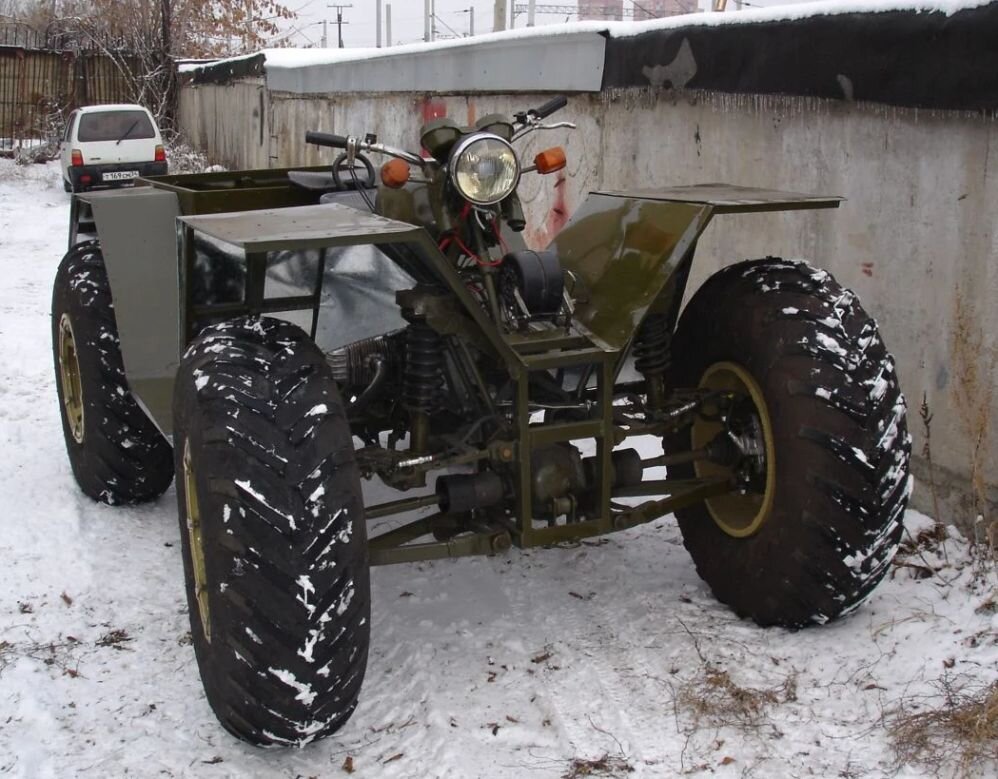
x=312 y=180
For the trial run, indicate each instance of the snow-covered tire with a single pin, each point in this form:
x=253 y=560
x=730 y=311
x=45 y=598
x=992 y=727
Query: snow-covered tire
x=116 y=452
x=282 y=627
x=839 y=435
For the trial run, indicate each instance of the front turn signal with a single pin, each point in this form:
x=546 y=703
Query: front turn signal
x=550 y=160
x=395 y=173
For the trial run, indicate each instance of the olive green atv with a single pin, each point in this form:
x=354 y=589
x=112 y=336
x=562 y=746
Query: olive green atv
x=296 y=331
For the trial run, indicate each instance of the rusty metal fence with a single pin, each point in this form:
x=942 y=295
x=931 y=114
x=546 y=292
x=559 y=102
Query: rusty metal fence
x=40 y=86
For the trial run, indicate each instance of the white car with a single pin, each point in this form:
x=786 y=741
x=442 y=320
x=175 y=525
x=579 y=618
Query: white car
x=110 y=145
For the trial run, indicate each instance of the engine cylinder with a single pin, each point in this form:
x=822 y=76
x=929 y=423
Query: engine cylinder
x=354 y=365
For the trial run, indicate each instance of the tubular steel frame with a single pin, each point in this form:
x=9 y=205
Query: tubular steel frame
x=669 y=222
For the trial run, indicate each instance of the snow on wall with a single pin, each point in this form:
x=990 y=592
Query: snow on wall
x=919 y=54
x=297 y=58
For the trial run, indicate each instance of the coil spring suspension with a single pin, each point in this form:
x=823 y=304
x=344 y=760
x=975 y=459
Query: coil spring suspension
x=652 y=354
x=424 y=359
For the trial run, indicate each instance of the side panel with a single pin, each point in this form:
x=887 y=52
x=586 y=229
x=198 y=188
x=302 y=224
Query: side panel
x=623 y=251
x=138 y=234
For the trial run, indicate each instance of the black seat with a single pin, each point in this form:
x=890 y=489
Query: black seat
x=313 y=180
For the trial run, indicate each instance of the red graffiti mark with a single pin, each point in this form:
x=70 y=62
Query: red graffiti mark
x=432 y=108
x=558 y=214
x=471 y=112
x=867 y=268
x=541 y=236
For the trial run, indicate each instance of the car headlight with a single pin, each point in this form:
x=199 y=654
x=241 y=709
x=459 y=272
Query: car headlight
x=484 y=169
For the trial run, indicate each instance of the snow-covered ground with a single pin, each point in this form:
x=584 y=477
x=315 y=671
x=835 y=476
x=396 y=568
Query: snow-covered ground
x=512 y=666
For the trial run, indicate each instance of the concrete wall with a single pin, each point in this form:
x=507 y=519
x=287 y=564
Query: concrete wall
x=916 y=238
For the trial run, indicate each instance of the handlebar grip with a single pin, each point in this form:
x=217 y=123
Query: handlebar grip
x=326 y=139
x=552 y=105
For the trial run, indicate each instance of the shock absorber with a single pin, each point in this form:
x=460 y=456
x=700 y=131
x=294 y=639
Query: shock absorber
x=652 y=356
x=424 y=356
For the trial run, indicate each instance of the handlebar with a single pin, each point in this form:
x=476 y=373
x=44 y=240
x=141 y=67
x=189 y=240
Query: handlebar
x=552 y=105
x=326 y=139
x=528 y=121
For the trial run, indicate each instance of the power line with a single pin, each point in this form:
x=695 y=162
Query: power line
x=455 y=32
x=640 y=7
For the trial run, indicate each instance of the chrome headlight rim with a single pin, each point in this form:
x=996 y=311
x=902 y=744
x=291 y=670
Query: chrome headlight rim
x=461 y=147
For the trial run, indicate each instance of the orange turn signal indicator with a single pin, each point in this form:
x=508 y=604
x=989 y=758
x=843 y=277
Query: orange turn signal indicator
x=395 y=173
x=550 y=160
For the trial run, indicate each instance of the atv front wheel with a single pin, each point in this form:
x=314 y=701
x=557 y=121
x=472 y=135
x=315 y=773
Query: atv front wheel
x=273 y=534
x=117 y=454
x=808 y=421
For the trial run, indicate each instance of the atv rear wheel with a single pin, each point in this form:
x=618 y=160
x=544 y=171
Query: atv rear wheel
x=273 y=534
x=814 y=434
x=116 y=452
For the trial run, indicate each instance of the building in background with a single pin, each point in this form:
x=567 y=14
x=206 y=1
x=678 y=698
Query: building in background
x=601 y=10
x=657 y=9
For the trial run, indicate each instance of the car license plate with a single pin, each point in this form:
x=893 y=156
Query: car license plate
x=120 y=175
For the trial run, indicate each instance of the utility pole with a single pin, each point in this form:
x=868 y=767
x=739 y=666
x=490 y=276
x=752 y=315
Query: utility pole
x=426 y=20
x=377 y=17
x=325 y=37
x=339 y=20
x=499 y=15
x=531 y=12
x=388 y=24
x=471 y=20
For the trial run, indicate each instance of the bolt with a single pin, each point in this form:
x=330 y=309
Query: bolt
x=506 y=453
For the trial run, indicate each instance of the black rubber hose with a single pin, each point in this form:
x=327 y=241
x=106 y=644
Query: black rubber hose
x=371 y=390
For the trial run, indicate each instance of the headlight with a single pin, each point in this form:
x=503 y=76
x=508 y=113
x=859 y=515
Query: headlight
x=484 y=169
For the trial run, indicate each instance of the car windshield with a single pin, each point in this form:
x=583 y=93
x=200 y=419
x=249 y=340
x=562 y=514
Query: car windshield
x=115 y=125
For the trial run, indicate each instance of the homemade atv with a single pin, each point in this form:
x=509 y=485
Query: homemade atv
x=296 y=331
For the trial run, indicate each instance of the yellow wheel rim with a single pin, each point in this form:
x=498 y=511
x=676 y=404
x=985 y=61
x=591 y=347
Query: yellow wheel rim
x=738 y=514
x=69 y=378
x=196 y=541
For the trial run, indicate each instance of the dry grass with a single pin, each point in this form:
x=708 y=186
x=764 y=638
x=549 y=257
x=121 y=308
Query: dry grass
x=184 y=158
x=714 y=700
x=958 y=736
x=985 y=544
x=63 y=655
x=607 y=765
x=974 y=361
